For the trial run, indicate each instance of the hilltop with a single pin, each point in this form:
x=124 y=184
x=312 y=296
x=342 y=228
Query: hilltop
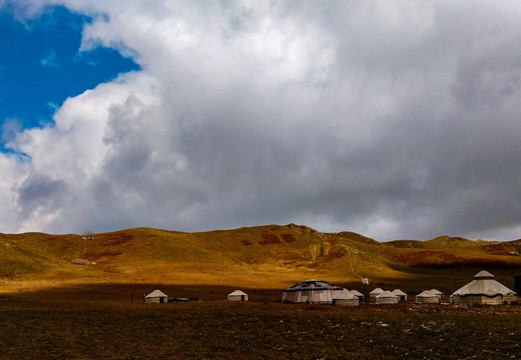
x=263 y=256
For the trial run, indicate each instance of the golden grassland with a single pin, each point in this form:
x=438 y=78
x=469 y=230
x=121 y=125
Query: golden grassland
x=270 y=256
x=63 y=297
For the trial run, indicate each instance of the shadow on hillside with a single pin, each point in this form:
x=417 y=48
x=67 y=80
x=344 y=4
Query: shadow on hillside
x=133 y=293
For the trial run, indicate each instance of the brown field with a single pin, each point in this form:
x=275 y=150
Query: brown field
x=63 y=297
x=100 y=322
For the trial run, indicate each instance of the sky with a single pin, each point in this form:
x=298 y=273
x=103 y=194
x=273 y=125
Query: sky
x=393 y=119
x=40 y=65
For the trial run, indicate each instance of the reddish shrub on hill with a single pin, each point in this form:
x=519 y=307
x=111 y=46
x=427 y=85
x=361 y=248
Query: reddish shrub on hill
x=270 y=239
x=427 y=257
x=288 y=238
x=117 y=239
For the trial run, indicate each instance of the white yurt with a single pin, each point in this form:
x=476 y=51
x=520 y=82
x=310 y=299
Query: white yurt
x=438 y=293
x=373 y=294
x=345 y=298
x=484 y=290
x=427 y=297
x=311 y=292
x=238 y=295
x=387 y=297
x=358 y=294
x=156 y=296
x=402 y=296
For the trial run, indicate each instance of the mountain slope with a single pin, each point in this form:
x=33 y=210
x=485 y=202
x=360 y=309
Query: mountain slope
x=270 y=255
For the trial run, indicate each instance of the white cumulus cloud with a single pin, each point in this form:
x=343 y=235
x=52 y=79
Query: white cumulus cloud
x=390 y=119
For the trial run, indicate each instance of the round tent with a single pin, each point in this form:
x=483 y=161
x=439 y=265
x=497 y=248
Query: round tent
x=400 y=294
x=345 y=298
x=238 y=295
x=427 y=297
x=387 y=297
x=156 y=296
x=373 y=294
x=312 y=292
x=438 y=293
x=358 y=294
x=484 y=290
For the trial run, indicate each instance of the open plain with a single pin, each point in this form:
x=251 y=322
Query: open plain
x=53 y=306
x=100 y=322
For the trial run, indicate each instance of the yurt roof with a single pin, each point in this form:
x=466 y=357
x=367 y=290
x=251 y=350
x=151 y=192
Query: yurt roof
x=313 y=285
x=484 y=284
x=157 y=293
x=345 y=296
x=483 y=275
x=377 y=291
x=427 y=294
x=398 y=292
x=386 y=294
x=436 y=291
x=238 y=292
x=356 y=293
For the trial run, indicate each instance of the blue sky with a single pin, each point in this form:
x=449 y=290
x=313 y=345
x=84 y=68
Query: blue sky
x=41 y=66
x=393 y=119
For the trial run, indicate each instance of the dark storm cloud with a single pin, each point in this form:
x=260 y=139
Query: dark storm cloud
x=39 y=193
x=37 y=190
x=393 y=119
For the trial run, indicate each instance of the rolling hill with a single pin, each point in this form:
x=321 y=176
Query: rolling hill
x=271 y=256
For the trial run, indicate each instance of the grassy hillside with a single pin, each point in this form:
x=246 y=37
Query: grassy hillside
x=264 y=256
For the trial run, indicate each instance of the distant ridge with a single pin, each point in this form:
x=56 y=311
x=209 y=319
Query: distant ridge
x=441 y=241
x=267 y=255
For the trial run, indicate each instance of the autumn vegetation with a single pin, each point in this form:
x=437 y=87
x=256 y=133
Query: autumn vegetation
x=65 y=297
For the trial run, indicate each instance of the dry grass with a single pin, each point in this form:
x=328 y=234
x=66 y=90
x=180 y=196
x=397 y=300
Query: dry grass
x=51 y=308
x=264 y=256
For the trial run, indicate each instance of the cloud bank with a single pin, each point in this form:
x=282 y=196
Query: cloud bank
x=392 y=119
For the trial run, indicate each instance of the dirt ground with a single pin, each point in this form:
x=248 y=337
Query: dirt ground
x=101 y=322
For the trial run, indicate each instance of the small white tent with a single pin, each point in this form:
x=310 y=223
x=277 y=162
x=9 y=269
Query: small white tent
x=312 y=292
x=484 y=290
x=387 y=297
x=373 y=294
x=400 y=294
x=438 y=293
x=345 y=298
x=238 y=295
x=427 y=297
x=156 y=296
x=358 y=294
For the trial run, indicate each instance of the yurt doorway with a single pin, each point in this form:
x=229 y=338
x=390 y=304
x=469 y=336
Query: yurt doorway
x=517 y=283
